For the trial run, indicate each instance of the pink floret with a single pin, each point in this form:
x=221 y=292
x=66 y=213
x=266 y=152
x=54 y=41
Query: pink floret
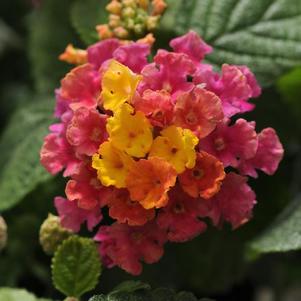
x=127 y=246
x=87 y=130
x=133 y=55
x=81 y=87
x=268 y=156
x=229 y=143
x=192 y=45
x=102 y=51
x=180 y=217
x=72 y=217
x=233 y=203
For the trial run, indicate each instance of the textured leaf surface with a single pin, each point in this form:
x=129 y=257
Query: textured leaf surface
x=20 y=144
x=10 y=294
x=76 y=266
x=85 y=15
x=263 y=34
x=138 y=291
x=284 y=235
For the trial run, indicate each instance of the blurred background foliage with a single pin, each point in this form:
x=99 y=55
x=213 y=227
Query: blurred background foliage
x=222 y=264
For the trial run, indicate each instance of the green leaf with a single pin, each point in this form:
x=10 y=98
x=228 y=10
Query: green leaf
x=85 y=15
x=13 y=294
x=263 y=34
x=20 y=144
x=49 y=33
x=137 y=291
x=76 y=266
x=283 y=235
x=130 y=286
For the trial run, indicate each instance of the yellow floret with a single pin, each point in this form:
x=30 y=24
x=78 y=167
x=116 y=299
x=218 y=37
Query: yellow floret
x=119 y=84
x=176 y=146
x=112 y=165
x=129 y=132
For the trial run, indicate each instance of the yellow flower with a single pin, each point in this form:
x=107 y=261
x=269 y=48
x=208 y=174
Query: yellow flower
x=176 y=146
x=130 y=132
x=119 y=84
x=112 y=165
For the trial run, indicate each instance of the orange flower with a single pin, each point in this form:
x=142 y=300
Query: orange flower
x=148 y=182
x=74 y=56
x=205 y=178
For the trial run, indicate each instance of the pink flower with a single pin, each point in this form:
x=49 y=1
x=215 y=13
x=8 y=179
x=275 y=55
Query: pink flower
x=56 y=154
x=231 y=143
x=126 y=211
x=198 y=110
x=102 y=51
x=233 y=203
x=192 y=45
x=156 y=105
x=81 y=87
x=237 y=88
x=85 y=189
x=127 y=246
x=87 y=130
x=124 y=54
x=268 y=156
x=168 y=72
x=62 y=105
x=180 y=217
x=72 y=217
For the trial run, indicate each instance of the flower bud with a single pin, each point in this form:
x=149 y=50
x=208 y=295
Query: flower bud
x=104 y=32
x=114 y=21
x=143 y=4
x=148 y=39
x=152 y=22
x=52 y=234
x=74 y=56
x=128 y=12
x=129 y=3
x=121 y=32
x=114 y=7
x=159 y=7
x=3 y=233
x=139 y=29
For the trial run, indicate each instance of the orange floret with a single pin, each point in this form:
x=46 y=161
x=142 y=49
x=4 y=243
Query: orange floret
x=74 y=56
x=205 y=178
x=148 y=182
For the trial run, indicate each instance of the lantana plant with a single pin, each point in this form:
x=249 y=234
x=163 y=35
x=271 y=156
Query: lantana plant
x=159 y=145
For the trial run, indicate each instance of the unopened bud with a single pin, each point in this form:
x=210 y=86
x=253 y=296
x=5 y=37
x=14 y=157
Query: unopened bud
x=128 y=12
x=114 y=21
x=74 y=56
x=159 y=7
x=114 y=7
x=3 y=233
x=129 y=3
x=143 y=4
x=152 y=22
x=121 y=32
x=52 y=234
x=139 y=29
x=148 y=39
x=104 y=32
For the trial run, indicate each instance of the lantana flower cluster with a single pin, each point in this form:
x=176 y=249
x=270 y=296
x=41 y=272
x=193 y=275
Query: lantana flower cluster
x=159 y=146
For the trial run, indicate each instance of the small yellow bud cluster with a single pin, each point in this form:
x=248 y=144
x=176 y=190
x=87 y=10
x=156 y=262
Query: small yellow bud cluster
x=52 y=234
x=132 y=18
